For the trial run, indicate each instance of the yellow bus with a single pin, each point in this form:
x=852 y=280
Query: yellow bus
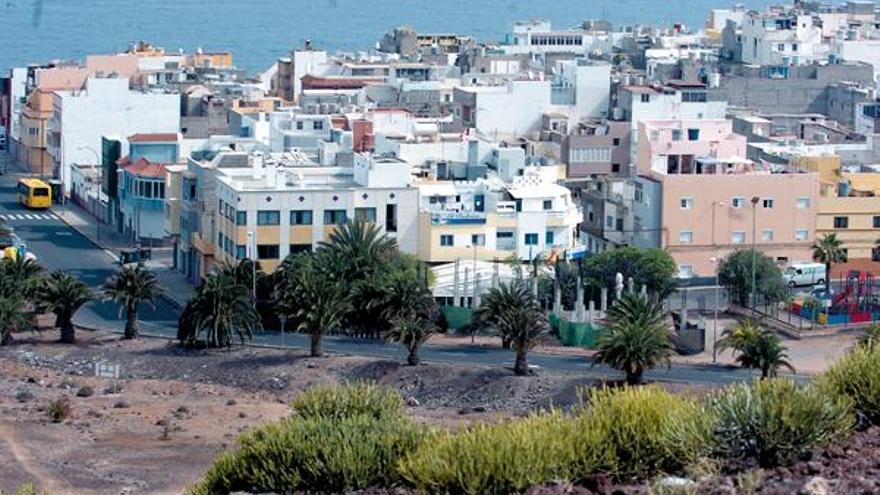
x=34 y=193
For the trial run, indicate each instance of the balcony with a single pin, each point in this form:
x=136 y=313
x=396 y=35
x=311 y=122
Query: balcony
x=458 y=218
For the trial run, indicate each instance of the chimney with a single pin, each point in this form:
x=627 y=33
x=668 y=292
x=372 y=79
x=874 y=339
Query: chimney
x=271 y=173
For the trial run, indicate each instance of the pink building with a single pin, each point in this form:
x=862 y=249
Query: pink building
x=714 y=200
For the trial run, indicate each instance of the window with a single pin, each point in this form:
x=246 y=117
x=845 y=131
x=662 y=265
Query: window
x=501 y=234
x=801 y=235
x=240 y=252
x=877 y=222
x=300 y=217
x=589 y=155
x=737 y=202
x=693 y=134
x=368 y=214
x=768 y=203
x=676 y=134
x=269 y=217
x=767 y=235
x=615 y=141
x=609 y=222
x=794 y=47
x=531 y=239
x=841 y=222
x=687 y=203
x=548 y=204
x=390 y=218
x=645 y=98
x=685 y=271
x=318 y=125
x=241 y=218
x=267 y=251
x=781 y=47
x=478 y=239
x=447 y=240
x=300 y=248
x=299 y=125
x=334 y=217
x=548 y=238
x=686 y=236
x=738 y=237
x=803 y=203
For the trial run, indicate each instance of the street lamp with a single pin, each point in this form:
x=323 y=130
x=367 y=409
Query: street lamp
x=755 y=200
x=100 y=165
x=252 y=247
x=283 y=319
x=714 y=261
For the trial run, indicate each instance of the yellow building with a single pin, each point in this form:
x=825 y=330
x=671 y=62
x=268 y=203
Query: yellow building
x=849 y=207
x=34 y=117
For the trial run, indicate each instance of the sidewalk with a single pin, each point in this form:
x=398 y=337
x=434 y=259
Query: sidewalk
x=177 y=290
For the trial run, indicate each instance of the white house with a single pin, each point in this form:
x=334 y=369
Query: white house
x=105 y=107
x=776 y=38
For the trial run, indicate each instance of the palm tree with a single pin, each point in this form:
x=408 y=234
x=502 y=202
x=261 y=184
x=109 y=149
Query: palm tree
x=755 y=347
x=13 y=318
x=63 y=295
x=361 y=246
x=130 y=287
x=221 y=309
x=411 y=332
x=637 y=337
x=514 y=312
x=20 y=276
x=829 y=250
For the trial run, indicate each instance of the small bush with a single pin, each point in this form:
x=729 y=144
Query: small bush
x=59 y=410
x=647 y=430
x=775 y=421
x=500 y=458
x=322 y=454
x=339 y=402
x=857 y=376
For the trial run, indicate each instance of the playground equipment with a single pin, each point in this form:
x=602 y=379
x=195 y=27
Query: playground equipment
x=857 y=302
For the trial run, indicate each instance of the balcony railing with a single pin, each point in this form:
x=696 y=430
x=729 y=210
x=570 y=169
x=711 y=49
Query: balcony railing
x=458 y=217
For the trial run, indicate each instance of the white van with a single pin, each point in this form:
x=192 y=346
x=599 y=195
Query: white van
x=800 y=274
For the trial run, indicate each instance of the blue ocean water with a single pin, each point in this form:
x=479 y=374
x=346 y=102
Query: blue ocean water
x=258 y=31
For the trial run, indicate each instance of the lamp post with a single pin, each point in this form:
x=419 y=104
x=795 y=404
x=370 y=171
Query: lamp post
x=252 y=255
x=283 y=319
x=714 y=261
x=100 y=165
x=755 y=200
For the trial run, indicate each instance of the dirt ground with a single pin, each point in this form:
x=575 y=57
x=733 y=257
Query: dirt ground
x=115 y=440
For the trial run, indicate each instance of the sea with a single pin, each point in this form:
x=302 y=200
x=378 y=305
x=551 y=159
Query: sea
x=257 y=32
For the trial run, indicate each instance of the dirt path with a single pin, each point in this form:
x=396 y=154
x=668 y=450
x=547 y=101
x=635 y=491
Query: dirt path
x=38 y=476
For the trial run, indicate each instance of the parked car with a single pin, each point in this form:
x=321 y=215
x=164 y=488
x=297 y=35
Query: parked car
x=801 y=274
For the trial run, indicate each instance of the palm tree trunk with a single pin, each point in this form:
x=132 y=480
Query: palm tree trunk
x=132 y=325
x=317 y=342
x=68 y=332
x=413 y=359
x=634 y=376
x=521 y=366
x=827 y=278
x=7 y=339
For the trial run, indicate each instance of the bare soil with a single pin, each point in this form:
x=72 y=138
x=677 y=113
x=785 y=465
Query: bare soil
x=116 y=439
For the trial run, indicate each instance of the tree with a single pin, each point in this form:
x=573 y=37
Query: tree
x=130 y=287
x=411 y=332
x=637 y=337
x=63 y=295
x=361 y=247
x=312 y=294
x=13 y=318
x=653 y=268
x=735 y=274
x=755 y=347
x=829 y=250
x=512 y=310
x=20 y=277
x=221 y=309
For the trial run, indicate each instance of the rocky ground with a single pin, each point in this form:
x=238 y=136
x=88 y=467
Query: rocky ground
x=157 y=427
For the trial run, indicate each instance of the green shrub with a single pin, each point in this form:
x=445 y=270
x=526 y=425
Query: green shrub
x=775 y=421
x=647 y=430
x=345 y=401
x=59 y=410
x=857 y=377
x=323 y=454
x=503 y=458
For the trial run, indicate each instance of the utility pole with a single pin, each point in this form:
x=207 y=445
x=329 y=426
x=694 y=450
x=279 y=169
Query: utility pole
x=755 y=201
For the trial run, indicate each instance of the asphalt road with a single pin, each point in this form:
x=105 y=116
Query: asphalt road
x=59 y=247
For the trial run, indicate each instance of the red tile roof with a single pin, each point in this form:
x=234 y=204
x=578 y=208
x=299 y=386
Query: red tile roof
x=145 y=168
x=152 y=138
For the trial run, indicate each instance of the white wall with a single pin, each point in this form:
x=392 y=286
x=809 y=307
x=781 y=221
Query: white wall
x=108 y=107
x=514 y=110
x=867 y=51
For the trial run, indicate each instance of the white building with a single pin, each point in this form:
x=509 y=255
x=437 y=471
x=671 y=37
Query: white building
x=537 y=36
x=859 y=46
x=776 y=38
x=289 y=130
x=291 y=208
x=105 y=107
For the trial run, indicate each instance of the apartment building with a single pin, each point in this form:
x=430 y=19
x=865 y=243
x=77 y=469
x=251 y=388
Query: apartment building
x=781 y=38
x=272 y=208
x=713 y=200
